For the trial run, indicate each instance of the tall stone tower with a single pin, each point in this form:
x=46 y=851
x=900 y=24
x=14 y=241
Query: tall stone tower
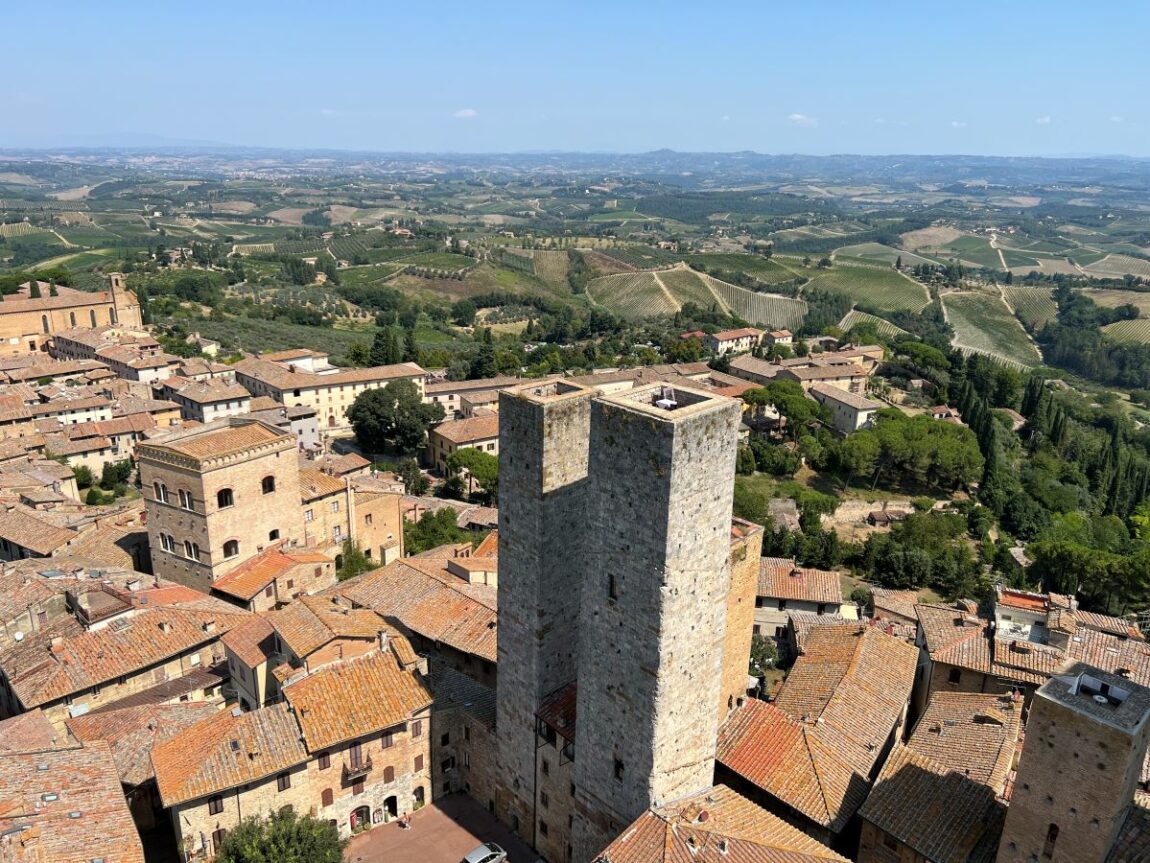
x=651 y=645
x=1085 y=743
x=544 y=431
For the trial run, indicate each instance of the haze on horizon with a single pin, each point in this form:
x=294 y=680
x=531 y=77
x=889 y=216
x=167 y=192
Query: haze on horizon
x=1043 y=79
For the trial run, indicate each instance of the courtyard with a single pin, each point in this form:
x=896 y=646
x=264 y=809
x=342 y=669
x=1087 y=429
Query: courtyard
x=443 y=832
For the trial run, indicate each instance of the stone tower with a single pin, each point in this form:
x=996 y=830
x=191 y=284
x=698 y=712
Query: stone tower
x=1085 y=743
x=651 y=646
x=125 y=305
x=216 y=495
x=544 y=431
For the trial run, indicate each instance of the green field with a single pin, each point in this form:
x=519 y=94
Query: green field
x=1035 y=307
x=876 y=286
x=884 y=327
x=636 y=296
x=882 y=254
x=984 y=324
x=1112 y=299
x=642 y=257
x=20 y=229
x=439 y=261
x=373 y=274
x=975 y=250
x=1117 y=266
x=551 y=267
x=1129 y=331
x=79 y=260
x=767 y=270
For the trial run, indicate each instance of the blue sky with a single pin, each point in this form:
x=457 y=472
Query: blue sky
x=1006 y=78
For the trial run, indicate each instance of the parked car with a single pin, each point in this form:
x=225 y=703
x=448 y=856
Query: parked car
x=488 y=852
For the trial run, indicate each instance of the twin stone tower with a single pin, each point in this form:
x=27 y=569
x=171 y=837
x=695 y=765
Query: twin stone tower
x=614 y=572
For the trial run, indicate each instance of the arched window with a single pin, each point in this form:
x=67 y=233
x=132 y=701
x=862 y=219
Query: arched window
x=161 y=491
x=188 y=550
x=231 y=548
x=44 y=322
x=273 y=535
x=186 y=500
x=111 y=316
x=1051 y=838
x=326 y=797
x=92 y=316
x=225 y=498
x=268 y=484
x=72 y=318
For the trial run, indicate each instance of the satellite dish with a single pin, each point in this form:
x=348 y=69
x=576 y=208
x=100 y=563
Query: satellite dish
x=18 y=636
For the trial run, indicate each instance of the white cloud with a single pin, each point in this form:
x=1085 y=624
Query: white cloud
x=1044 y=120
x=802 y=120
x=466 y=114
x=1117 y=118
x=958 y=124
x=725 y=118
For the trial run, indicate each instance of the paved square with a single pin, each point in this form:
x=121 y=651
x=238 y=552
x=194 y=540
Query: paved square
x=440 y=833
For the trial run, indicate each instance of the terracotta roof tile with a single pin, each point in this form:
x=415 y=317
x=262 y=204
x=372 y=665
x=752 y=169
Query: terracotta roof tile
x=212 y=441
x=428 y=600
x=315 y=484
x=252 y=576
x=356 y=697
x=253 y=641
x=84 y=780
x=312 y=621
x=226 y=750
x=466 y=431
x=937 y=811
x=1133 y=842
x=714 y=826
x=131 y=732
x=26 y=732
x=787 y=581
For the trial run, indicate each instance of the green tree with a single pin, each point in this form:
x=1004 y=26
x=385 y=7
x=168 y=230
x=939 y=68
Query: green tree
x=34 y=290
x=764 y=655
x=433 y=530
x=414 y=480
x=394 y=416
x=283 y=837
x=94 y=497
x=83 y=474
x=352 y=561
x=115 y=473
x=385 y=348
x=482 y=467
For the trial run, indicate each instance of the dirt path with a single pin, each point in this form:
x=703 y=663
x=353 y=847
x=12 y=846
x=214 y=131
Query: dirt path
x=675 y=304
x=994 y=245
x=67 y=244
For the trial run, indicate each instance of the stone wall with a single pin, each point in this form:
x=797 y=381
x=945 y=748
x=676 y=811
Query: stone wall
x=746 y=550
x=1076 y=774
x=250 y=520
x=654 y=606
x=543 y=460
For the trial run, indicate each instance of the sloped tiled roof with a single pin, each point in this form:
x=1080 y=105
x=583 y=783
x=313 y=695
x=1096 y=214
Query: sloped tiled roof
x=252 y=576
x=315 y=484
x=131 y=732
x=356 y=697
x=32 y=532
x=785 y=758
x=212 y=441
x=312 y=621
x=27 y=731
x=938 y=812
x=226 y=750
x=1133 y=842
x=428 y=600
x=787 y=581
x=971 y=732
x=853 y=682
x=253 y=641
x=714 y=826
x=40 y=672
x=84 y=780
x=469 y=430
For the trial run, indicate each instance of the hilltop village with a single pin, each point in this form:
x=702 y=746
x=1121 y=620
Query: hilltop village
x=214 y=606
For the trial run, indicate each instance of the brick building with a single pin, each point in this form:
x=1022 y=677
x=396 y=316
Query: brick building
x=350 y=743
x=1086 y=740
x=28 y=322
x=217 y=495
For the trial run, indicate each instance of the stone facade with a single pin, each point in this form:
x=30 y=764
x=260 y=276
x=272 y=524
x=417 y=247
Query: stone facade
x=1086 y=739
x=654 y=603
x=27 y=323
x=746 y=550
x=543 y=508
x=225 y=506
